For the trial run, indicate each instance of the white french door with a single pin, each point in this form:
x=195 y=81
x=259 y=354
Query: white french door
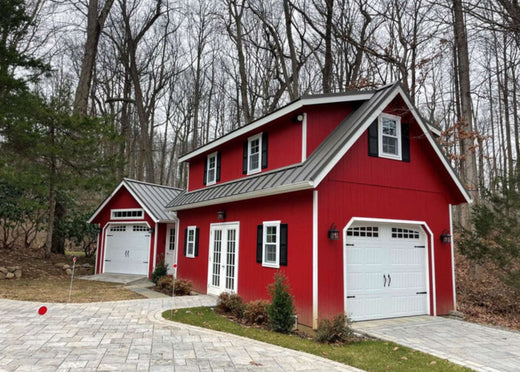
x=169 y=249
x=223 y=258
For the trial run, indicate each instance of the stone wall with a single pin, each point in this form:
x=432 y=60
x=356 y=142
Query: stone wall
x=10 y=272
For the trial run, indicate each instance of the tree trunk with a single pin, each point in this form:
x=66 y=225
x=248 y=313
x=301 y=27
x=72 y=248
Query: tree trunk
x=95 y=25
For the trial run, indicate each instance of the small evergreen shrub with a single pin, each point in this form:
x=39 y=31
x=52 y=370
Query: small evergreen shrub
x=230 y=303
x=160 y=271
x=256 y=312
x=335 y=330
x=182 y=286
x=281 y=310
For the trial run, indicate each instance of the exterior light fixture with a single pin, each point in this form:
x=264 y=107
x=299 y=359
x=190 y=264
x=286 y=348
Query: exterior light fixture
x=298 y=118
x=221 y=215
x=445 y=236
x=151 y=230
x=333 y=232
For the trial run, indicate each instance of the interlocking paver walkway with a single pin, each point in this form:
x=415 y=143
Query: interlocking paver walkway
x=131 y=335
x=475 y=346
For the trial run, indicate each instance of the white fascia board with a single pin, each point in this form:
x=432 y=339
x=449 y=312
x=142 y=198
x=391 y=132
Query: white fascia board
x=250 y=195
x=271 y=117
x=436 y=148
x=105 y=202
x=422 y=125
x=123 y=182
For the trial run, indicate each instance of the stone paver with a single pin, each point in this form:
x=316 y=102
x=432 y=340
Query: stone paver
x=132 y=336
x=472 y=345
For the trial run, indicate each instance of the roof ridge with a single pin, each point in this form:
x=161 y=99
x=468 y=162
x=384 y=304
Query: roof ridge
x=151 y=184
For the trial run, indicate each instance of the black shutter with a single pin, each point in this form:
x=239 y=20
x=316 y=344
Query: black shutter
x=217 y=179
x=244 y=159
x=204 y=177
x=185 y=241
x=373 y=137
x=259 y=238
x=264 y=150
x=405 y=142
x=196 y=253
x=283 y=244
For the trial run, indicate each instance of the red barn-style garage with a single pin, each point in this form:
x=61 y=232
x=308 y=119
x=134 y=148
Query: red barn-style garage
x=136 y=232
x=349 y=195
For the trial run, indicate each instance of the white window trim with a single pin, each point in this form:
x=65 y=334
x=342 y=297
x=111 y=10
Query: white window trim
x=194 y=229
x=112 y=211
x=276 y=264
x=214 y=181
x=398 y=135
x=249 y=140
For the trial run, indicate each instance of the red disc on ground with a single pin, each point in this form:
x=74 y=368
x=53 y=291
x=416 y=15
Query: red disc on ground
x=42 y=310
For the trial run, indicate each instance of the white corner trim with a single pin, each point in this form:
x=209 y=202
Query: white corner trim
x=155 y=233
x=428 y=265
x=450 y=208
x=98 y=242
x=304 y=137
x=315 y=259
x=273 y=116
x=177 y=233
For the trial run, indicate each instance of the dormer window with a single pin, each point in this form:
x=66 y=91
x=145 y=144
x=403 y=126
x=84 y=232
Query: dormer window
x=390 y=136
x=212 y=169
x=255 y=154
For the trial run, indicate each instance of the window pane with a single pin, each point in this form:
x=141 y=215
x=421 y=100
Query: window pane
x=390 y=145
x=255 y=146
x=271 y=234
x=211 y=175
x=211 y=162
x=254 y=161
x=389 y=127
x=270 y=253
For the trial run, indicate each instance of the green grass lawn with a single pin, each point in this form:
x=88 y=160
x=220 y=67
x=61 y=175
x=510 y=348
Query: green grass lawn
x=369 y=355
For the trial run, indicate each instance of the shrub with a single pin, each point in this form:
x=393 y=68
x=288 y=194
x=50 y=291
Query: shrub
x=230 y=303
x=334 y=330
x=182 y=286
x=160 y=271
x=256 y=312
x=281 y=310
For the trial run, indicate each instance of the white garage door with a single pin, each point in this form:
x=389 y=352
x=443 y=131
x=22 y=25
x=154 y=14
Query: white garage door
x=127 y=249
x=386 y=266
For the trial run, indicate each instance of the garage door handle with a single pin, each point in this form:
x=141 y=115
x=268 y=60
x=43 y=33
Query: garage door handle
x=384 y=277
x=389 y=280
x=108 y=260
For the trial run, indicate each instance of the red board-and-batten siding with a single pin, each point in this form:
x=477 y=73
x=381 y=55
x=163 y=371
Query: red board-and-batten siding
x=124 y=200
x=358 y=186
x=284 y=143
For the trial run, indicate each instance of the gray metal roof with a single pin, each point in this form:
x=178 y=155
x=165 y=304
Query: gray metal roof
x=306 y=175
x=153 y=197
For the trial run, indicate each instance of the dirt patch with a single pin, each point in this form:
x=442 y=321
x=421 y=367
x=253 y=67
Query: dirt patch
x=43 y=281
x=485 y=300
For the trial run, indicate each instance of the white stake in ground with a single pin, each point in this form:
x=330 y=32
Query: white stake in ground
x=173 y=288
x=72 y=276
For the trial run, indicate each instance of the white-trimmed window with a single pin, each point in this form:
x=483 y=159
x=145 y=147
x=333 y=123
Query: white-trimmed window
x=191 y=241
x=271 y=246
x=254 y=154
x=126 y=214
x=390 y=136
x=211 y=171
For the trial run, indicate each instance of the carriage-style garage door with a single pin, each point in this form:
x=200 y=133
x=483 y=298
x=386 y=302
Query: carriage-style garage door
x=386 y=271
x=127 y=249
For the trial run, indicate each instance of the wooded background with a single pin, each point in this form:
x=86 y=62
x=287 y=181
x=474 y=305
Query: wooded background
x=148 y=80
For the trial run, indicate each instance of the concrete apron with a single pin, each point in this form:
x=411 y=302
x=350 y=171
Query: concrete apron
x=125 y=279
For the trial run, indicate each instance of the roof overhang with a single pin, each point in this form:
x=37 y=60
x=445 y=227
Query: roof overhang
x=116 y=190
x=250 y=195
x=296 y=105
x=372 y=114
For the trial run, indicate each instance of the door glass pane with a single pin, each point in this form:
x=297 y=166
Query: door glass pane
x=217 y=257
x=230 y=262
x=171 y=243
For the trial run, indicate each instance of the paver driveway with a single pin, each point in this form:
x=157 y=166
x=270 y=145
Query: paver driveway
x=475 y=346
x=131 y=335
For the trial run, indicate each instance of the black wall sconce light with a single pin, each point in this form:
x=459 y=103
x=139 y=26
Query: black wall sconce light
x=221 y=215
x=333 y=232
x=445 y=236
x=298 y=118
x=151 y=230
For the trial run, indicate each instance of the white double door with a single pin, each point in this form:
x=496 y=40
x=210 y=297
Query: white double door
x=223 y=258
x=386 y=271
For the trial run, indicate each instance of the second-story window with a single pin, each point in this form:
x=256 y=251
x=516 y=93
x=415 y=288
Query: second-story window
x=255 y=154
x=212 y=169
